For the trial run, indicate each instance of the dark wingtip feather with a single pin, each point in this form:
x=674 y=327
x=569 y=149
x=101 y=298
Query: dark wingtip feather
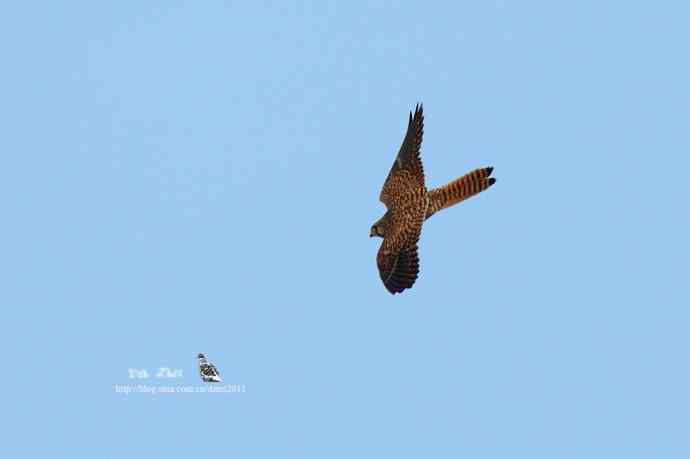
x=418 y=109
x=489 y=170
x=492 y=181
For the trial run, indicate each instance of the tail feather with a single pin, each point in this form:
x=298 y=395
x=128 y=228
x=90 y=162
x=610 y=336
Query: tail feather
x=459 y=189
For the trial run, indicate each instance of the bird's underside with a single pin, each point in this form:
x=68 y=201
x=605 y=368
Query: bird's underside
x=409 y=204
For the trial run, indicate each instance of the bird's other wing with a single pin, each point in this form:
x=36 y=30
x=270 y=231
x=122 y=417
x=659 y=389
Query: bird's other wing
x=209 y=372
x=398 y=270
x=407 y=171
x=214 y=373
x=397 y=258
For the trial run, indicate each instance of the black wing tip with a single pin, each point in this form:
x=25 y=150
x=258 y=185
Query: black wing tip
x=492 y=181
x=393 y=289
x=418 y=112
x=399 y=283
x=489 y=170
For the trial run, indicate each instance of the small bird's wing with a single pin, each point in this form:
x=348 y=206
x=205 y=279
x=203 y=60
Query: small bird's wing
x=203 y=370
x=397 y=258
x=214 y=372
x=407 y=172
x=209 y=372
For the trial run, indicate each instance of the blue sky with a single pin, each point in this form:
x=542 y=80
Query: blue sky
x=182 y=177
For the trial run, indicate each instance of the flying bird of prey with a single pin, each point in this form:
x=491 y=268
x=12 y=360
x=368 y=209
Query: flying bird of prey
x=409 y=204
x=207 y=370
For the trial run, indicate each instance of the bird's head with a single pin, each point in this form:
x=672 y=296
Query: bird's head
x=201 y=356
x=376 y=230
x=379 y=228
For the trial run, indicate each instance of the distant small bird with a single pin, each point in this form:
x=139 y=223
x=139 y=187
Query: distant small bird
x=207 y=370
x=409 y=204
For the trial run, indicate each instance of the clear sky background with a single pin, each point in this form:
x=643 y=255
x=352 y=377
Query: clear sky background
x=185 y=177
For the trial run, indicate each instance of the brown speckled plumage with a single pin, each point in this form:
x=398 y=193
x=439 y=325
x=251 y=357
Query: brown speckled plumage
x=409 y=204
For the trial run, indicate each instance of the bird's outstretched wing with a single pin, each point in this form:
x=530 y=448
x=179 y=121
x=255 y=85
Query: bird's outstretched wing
x=397 y=257
x=407 y=173
x=399 y=269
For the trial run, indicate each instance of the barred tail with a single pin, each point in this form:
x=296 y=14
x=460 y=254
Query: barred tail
x=459 y=189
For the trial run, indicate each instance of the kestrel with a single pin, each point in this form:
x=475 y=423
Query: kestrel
x=207 y=370
x=409 y=204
